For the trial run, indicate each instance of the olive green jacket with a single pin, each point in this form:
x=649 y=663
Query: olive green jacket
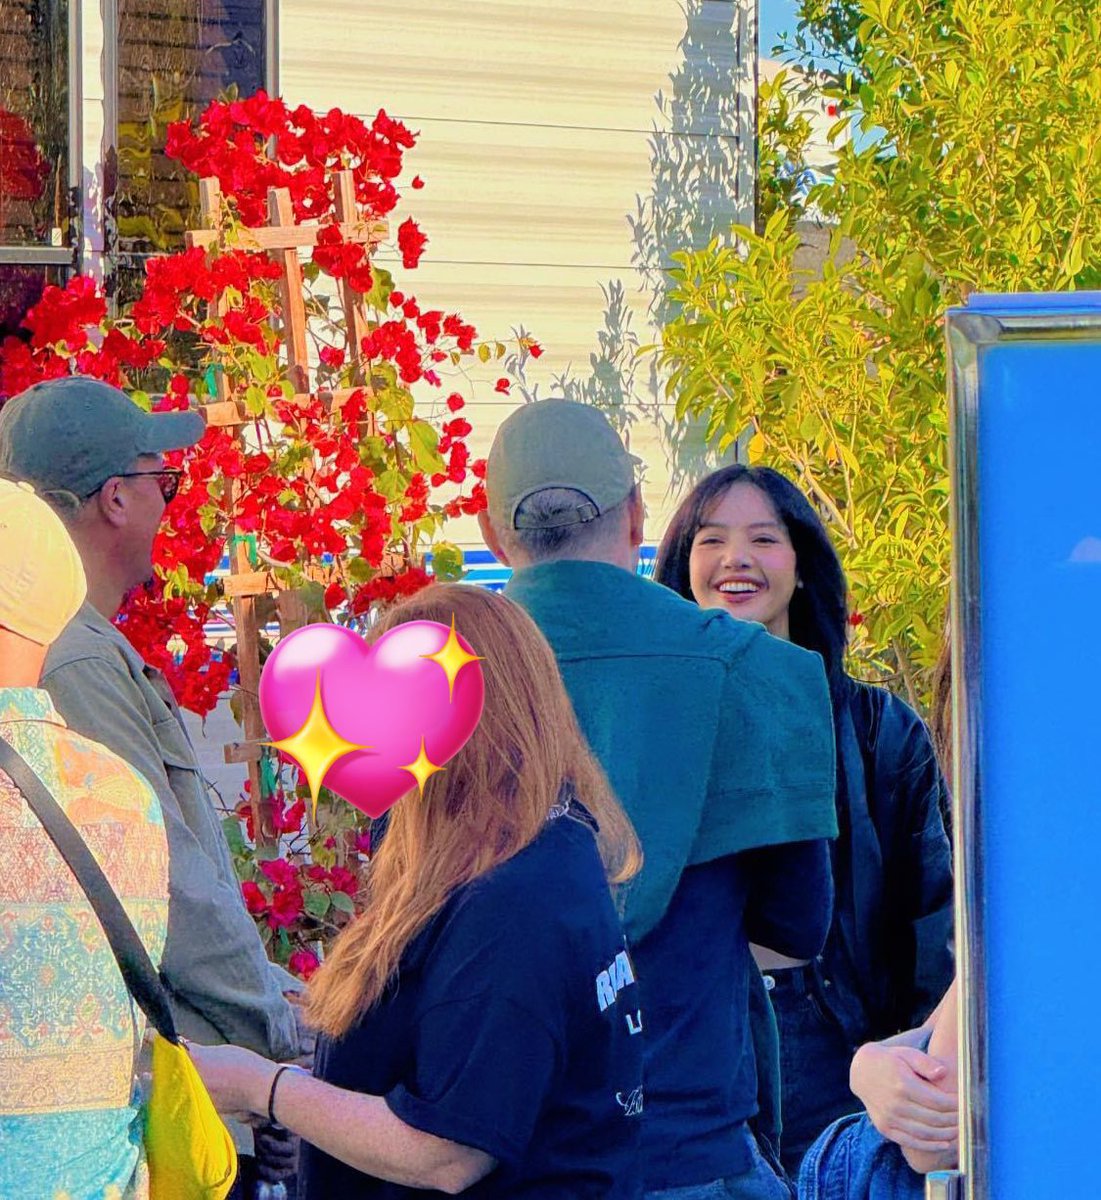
x=223 y=985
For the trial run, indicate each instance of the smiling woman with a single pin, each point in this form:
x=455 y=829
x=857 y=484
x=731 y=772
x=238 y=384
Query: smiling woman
x=747 y=541
x=742 y=559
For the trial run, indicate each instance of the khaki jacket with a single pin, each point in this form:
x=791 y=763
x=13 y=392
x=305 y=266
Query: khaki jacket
x=224 y=987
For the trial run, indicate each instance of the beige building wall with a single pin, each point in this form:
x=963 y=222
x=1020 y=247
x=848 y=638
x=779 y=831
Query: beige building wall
x=567 y=149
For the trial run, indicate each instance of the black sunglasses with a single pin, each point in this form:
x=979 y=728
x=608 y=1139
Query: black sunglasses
x=168 y=480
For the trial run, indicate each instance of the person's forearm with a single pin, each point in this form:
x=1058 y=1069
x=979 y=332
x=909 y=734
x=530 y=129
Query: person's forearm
x=214 y=961
x=361 y=1131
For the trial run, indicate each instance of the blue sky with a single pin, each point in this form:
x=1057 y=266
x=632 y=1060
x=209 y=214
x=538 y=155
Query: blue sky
x=776 y=16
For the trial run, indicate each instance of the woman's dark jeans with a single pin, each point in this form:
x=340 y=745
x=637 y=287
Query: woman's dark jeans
x=814 y=1063
x=760 y=1182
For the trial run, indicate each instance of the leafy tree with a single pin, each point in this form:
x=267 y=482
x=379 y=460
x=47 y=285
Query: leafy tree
x=975 y=165
x=827 y=35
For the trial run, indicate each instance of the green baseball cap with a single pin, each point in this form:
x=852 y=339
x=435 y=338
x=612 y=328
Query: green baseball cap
x=557 y=444
x=73 y=434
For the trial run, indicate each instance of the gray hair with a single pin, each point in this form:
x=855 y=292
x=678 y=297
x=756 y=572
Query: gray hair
x=66 y=504
x=561 y=541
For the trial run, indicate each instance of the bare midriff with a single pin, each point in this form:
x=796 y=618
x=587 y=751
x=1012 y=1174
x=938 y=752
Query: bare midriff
x=769 y=960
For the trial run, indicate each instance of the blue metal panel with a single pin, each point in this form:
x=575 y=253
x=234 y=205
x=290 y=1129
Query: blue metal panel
x=1028 y=611
x=1040 y=552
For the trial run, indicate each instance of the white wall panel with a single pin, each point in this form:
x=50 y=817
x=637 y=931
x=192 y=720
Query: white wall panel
x=566 y=148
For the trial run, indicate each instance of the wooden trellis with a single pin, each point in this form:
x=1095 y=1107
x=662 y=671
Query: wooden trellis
x=282 y=238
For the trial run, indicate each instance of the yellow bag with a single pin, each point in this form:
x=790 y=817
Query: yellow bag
x=191 y=1153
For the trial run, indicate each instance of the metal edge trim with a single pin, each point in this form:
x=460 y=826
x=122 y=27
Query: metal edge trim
x=61 y=256
x=967 y=334
x=75 y=97
x=271 y=47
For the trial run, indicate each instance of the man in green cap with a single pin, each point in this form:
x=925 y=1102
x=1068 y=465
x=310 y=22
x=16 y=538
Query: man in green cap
x=718 y=740
x=98 y=459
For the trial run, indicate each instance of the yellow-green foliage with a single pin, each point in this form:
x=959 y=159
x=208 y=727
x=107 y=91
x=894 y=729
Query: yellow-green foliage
x=977 y=168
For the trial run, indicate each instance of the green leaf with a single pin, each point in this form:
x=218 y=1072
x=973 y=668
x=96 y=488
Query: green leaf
x=256 y=400
x=234 y=835
x=424 y=443
x=143 y=400
x=359 y=569
x=447 y=562
x=317 y=904
x=391 y=484
x=342 y=902
x=811 y=427
x=382 y=284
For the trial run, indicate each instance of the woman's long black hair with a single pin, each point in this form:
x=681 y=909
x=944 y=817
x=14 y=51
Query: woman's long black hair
x=818 y=613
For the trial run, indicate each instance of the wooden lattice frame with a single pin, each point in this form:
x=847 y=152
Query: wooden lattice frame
x=282 y=238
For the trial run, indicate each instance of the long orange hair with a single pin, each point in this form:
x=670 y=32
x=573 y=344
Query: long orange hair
x=490 y=801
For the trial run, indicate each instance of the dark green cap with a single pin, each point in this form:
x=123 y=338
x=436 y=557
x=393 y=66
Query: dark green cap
x=557 y=444
x=73 y=434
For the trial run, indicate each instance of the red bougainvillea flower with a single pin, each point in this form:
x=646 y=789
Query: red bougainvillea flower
x=303 y=963
x=342 y=880
x=411 y=243
x=502 y=386
x=280 y=872
x=287 y=907
x=63 y=314
x=255 y=900
x=856 y=618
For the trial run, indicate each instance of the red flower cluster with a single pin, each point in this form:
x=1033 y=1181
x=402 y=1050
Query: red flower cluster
x=385 y=589
x=411 y=243
x=303 y=963
x=343 y=260
x=179 y=287
x=231 y=143
x=151 y=622
x=332 y=488
x=65 y=325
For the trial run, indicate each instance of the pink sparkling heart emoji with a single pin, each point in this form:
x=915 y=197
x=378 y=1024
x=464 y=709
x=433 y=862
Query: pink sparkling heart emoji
x=387 y=697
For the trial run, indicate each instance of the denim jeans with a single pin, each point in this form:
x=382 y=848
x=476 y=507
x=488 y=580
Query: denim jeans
x=852 y=1160
x=760 y=1182
x=814 y=1066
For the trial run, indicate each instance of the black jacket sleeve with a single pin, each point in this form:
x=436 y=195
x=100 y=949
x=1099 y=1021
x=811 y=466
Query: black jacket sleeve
x=907 y=780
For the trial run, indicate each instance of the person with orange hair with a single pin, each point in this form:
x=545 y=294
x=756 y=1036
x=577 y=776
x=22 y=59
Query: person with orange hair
x=479 y=1020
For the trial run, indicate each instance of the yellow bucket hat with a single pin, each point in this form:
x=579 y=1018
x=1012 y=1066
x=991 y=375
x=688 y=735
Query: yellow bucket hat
x=42 y=580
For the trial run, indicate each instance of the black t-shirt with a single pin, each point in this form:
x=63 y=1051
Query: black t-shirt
x=701 y=1080
x=513 y=1027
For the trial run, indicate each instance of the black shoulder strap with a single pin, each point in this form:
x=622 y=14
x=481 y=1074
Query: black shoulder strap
x=137 y=970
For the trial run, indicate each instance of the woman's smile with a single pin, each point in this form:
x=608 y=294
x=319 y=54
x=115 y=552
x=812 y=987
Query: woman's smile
x=742 y=560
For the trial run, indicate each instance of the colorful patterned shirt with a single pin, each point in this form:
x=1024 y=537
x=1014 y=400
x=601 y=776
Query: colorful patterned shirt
x=70 y=1120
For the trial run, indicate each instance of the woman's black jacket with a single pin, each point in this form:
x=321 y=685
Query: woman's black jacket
x=888 y=959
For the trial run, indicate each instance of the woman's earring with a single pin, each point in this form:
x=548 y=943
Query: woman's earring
x=799 y=583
